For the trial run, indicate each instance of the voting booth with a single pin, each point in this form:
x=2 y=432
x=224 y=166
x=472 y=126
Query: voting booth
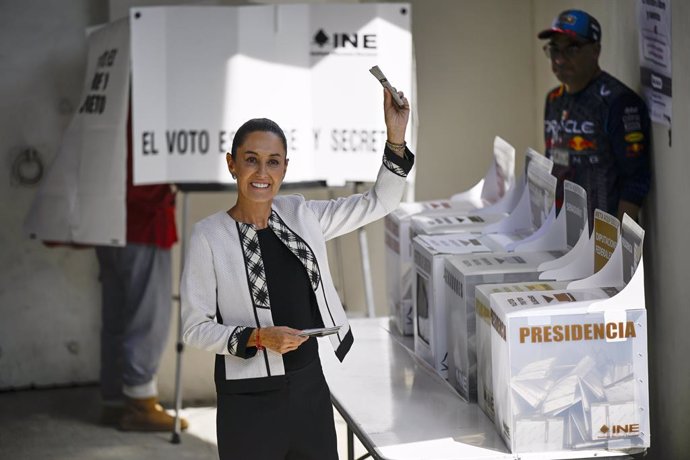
x=200 y=72
x=196 y=74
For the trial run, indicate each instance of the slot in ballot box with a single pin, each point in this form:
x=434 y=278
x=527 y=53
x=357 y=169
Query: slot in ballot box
x=573 y=375
x=494 y=189
x=529 y=211
x=532 y=221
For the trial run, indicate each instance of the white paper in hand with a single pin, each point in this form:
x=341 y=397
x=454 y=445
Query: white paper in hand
x=319 y=332
x=375 y=71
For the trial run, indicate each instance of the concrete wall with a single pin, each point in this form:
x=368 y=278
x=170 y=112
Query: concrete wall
x=49 y=299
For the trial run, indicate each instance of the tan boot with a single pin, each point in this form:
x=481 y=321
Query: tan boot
x=147 y=415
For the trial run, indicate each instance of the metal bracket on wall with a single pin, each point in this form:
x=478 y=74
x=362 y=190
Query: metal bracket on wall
x=27 y=167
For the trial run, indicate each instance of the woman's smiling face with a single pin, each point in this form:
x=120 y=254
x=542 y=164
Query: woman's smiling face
x=259 y=165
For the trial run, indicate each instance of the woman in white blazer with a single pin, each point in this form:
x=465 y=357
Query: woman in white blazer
x=256 y=275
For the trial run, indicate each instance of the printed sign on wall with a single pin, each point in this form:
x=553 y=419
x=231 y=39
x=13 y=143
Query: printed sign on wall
x=198 y=73
x=654 y=17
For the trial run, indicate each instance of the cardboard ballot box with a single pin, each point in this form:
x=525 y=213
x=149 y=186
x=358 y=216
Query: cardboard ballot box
x=429 y=307
x=461 y=274
x=553 y=240
x=574 y=375
x=605 y=229
x=485 y=394
x=399 y=255
x=494 y=187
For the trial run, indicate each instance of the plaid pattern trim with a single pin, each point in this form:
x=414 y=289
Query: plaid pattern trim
x=235 y=339
x=392 y=167
x=298 y=247
x=256 y=275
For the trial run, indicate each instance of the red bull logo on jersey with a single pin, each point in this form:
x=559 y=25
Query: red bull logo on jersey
x=634 y=150
x=579 y=143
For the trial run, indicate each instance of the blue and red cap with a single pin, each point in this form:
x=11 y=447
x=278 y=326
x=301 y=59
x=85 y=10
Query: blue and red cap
x=574 y=23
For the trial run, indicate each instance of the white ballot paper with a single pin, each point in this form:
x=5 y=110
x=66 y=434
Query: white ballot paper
x=319 y=332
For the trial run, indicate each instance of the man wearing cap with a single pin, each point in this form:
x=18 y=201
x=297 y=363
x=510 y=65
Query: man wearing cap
x=596 y=129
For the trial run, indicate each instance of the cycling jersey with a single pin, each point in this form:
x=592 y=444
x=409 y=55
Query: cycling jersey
x=599 y=138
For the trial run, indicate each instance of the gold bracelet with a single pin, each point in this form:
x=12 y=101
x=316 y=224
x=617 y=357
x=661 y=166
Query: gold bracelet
x=396 y=147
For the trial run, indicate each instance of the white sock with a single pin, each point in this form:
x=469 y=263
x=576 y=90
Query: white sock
x=146 y=390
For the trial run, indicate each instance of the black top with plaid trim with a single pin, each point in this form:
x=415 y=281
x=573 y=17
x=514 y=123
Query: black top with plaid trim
x=292 y=299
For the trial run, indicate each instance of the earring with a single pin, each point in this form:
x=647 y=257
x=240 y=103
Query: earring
x=233 y=175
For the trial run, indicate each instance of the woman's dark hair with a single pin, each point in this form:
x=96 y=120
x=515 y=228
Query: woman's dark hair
x=256 y=124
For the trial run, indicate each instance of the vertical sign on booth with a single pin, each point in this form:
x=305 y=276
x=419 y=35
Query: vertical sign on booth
x=82 y=197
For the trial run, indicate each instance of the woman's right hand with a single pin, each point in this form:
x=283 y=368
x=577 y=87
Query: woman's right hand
x=396 y=117
x=280 y=339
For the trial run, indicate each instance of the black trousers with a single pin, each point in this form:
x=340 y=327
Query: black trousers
x=292 y=423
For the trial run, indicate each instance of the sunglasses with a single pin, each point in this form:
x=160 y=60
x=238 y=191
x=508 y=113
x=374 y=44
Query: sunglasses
x=553 y=52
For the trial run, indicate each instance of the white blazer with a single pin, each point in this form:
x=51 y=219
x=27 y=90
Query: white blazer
x=222 y=288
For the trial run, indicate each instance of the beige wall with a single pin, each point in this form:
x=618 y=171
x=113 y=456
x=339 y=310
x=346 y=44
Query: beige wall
x=475 y=81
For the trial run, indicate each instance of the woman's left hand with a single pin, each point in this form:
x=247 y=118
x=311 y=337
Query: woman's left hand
x=396 y=117
x=281 y=339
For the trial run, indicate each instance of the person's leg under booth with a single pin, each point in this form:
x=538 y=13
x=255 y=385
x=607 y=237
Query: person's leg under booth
x=112 y=329
x=137 y=295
